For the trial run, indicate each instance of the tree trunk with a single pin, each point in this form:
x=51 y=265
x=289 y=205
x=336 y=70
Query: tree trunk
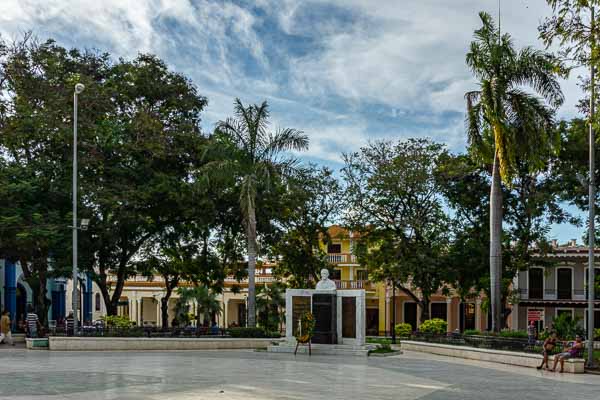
x=251 y=233
x=424 y=304
x=42 y=299
x=164 y=309
x=495 y=246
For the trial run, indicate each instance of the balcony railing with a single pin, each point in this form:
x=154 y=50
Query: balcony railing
x=341 y=258
x=341 y=285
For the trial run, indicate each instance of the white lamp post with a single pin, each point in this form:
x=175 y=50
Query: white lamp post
x=75 y=298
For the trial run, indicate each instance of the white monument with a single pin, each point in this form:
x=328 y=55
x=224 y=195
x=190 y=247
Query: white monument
x=348 y=323
x=325 y=283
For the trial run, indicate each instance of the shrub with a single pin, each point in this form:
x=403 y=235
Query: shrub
x=566 y=327
x=403 y=330
x=242 y=332
x=436 y=326
x=117 y=321
x=597 y=334
x=471 y=332
x=513 y=334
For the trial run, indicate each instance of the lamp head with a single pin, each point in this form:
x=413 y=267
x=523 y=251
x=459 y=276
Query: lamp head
x=79 y=88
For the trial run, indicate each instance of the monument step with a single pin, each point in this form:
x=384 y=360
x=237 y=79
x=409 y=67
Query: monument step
x=324 y=349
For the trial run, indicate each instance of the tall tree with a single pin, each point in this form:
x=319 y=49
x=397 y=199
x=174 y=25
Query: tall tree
x=504 y=120
x=139 y=159
x=257 y=158
x=311 y=204
x=395 y=206
x=575 y=26
x=36 y=94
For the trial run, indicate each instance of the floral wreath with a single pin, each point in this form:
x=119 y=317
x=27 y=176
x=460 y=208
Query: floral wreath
x=307 y=328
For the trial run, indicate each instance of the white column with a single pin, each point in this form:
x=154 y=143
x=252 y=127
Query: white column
x=158 y=315
x=289 y=322
x=449 y=315
x=478 y=316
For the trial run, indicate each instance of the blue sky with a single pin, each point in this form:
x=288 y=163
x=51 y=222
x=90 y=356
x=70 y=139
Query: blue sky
x=344 y=71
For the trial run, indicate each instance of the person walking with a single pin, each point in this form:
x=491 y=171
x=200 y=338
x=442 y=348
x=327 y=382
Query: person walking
x=32 y=321
x=531 y=334
x=5 y=330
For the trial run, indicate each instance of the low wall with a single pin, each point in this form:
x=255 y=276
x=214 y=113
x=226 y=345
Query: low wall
x=118 y=343
x=575 y=366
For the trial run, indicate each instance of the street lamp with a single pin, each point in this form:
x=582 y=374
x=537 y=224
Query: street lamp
x=75 y=298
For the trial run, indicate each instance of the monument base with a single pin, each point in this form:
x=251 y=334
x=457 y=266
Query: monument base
x=324 y=349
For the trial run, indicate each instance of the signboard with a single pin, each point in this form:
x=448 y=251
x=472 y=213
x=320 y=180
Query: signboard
x=535 y=315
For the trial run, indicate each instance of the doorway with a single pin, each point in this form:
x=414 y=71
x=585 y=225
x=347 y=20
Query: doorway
x=410 y=315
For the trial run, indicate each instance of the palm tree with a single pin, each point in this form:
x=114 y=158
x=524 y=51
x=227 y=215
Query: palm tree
x=270 y=300
x=256 y=160
x=506 y=123
x=207 y=303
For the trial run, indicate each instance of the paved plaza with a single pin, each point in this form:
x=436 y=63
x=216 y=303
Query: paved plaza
x=258 y=375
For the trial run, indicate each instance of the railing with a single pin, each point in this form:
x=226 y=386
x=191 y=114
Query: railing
x=486 y=342
x=146 y=331
x=367 y=285
x=341 y=258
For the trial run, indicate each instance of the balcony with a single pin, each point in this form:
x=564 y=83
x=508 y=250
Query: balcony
x=341 y=258
x=345 y=285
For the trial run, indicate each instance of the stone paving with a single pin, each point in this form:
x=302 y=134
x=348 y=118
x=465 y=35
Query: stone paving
x=250 y=375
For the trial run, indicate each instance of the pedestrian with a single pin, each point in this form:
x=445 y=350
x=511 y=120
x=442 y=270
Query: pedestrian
x=33 y=322
x=548 y=346
x=5 y=330
x=531 y=334
x=70 y=324
x=574 y=351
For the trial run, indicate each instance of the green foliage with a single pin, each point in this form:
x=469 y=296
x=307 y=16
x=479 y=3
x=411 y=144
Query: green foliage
x=251 y=333
x=117 y=321
x=253 y=158
x=270 y=303
x=395 y=206
x=597 y=334
x=207 y=303
x=310 y=206
x=471 y=332
x=403 y=329
x=566 y=327
x=513 y=334
x=435 y=326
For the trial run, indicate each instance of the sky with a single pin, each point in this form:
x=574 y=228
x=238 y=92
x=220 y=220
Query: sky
x=343 y=71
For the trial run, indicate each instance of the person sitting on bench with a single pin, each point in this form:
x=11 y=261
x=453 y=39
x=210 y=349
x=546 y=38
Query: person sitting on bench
x=573 y=352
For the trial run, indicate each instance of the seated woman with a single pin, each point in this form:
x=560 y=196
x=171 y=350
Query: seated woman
x=572 y=352
x=548 y=346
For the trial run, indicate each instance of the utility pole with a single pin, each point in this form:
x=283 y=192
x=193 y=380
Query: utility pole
x=592 y=200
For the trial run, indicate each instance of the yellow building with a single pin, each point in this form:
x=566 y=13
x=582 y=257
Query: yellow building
x=349 y=274
x=141 y=299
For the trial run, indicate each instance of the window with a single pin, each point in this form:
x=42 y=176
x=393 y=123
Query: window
x=98 y=305
x=336 y=275
x=561 y=311
x=536 y=283
x=564 y=283
x=334 y=248
x=362 y=275
x=438 y=310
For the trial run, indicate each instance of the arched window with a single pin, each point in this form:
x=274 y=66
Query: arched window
x=98 y=306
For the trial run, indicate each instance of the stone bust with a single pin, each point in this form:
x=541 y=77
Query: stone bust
x=325 y=283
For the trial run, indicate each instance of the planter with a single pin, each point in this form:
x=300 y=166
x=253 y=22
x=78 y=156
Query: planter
x=37 y=343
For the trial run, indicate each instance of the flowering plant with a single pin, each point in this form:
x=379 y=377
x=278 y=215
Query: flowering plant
x=307 y=328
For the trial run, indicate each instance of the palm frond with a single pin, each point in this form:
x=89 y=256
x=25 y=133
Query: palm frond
x=538 y=70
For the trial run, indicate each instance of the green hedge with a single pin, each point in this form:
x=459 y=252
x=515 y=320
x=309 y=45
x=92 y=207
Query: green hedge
x=435 y=326
x=251 y=333
x=472 y=332
x=403 y=330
